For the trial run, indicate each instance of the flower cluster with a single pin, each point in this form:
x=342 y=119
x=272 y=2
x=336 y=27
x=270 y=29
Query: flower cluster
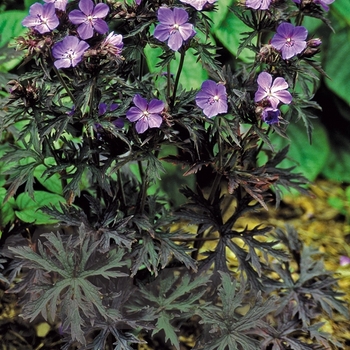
x=89 y=20
x=174 y=28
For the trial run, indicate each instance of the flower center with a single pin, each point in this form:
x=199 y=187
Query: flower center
x=41 y=20
x=175 y=28
x=70 y=54
x=90 y=18
x=289 y=42
x=214 y=99
x=145 y=114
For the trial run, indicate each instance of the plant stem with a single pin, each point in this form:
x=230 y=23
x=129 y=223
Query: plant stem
x=144 y=181
x=121 y=189
x=168 y=78
x=64 y=84
x=182 y=59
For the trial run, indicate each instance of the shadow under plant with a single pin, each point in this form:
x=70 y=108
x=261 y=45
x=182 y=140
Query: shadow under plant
x=94 y=242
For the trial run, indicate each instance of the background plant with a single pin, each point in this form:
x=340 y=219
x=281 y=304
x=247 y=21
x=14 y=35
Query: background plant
x=89 y=132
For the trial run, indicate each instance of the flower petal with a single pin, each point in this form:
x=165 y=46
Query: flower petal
x=175 y=40
x=162 y=32
x=264 y=81
x=140 y=102
x=134 y=114
x=30 y=21
x=274 y=101
x=102 y=108
x=211 y=110
x=36 y=9
x=86 y=6
x=286 y=30
x=284 y=96
x=62 y=63
x=141 y=125
x=154 y=121
x=155 y=106
x=180 y=16
x=49 y=10
x=300 y=33
x=186 y=31
x=279 y=84
x=85 y=30
x=100 y=11
x=270 y=115
x=278 y=42
x=42 y=28
x=77 y=17
x=100 y=26
x=165 y=16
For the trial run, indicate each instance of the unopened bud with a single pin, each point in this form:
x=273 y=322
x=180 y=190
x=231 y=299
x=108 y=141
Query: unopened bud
x=312 y=48
x=314 y=43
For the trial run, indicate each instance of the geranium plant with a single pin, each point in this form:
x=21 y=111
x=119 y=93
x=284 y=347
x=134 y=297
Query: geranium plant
x=96 y=243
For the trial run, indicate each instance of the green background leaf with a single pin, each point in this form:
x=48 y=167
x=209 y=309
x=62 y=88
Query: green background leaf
x=308 y=159
x=28 y=208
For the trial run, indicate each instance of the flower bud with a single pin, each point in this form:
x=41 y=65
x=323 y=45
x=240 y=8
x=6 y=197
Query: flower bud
x=314 y=43
x=312 y=48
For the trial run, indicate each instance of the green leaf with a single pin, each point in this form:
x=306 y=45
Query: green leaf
x=28 y=209
x=163 y=323
x=7 y=213
x=310 y=159
x=73 y=264
x=230 y=329
x=173 y=297
x=229 y=32
x=51 y=183
x=337 y=70
x=11 y=25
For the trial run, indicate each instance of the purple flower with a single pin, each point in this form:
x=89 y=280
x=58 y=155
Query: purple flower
x=146 y=115
x=198 y=4
x=102 y=108
x=113 y=44
x=212 y=98
x=290 y=40
x=323 y=3
x=271 y=115
x=173 y=27
x=275 y=92
x=90 y=18
x=59 y=4
x=258 y=4
x=344 y=260
x=69 y=52
x=42 y=18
